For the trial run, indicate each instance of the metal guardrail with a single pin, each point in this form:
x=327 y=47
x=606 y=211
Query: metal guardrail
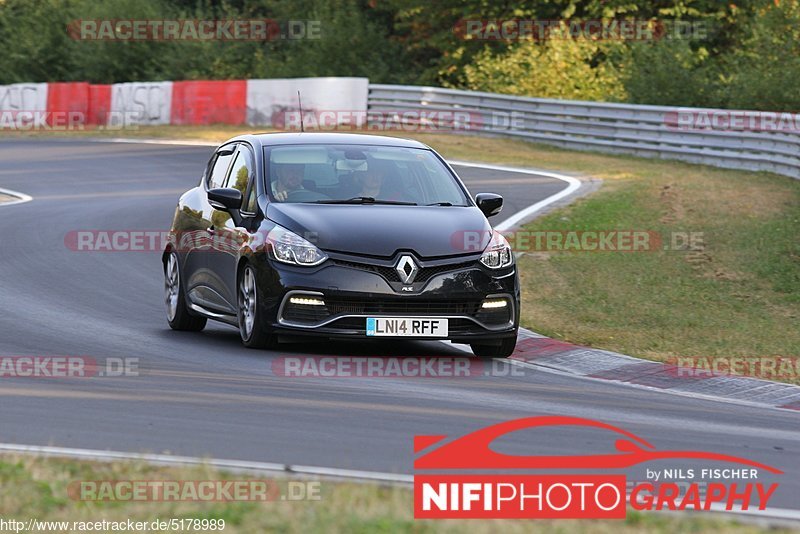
x=651 y=131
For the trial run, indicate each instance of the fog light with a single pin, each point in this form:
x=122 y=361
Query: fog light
x=494 y=303
x=307 y=301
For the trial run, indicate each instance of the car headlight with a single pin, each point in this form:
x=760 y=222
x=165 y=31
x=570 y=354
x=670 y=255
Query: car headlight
x=498 y=252
x=288 y=247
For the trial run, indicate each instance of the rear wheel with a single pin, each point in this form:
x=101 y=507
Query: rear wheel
x=178 y=315
x=503 y=350
x=251 y=327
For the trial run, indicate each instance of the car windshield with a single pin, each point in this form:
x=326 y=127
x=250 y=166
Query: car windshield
x=360 y=174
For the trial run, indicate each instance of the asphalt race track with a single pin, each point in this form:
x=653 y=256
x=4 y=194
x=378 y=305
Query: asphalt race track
x=203 y=394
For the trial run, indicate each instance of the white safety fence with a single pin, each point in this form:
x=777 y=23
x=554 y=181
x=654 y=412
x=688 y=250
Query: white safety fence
x=749 y=140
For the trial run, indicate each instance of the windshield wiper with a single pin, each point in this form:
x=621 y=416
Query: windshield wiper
x=365 y=200
x=440 y=204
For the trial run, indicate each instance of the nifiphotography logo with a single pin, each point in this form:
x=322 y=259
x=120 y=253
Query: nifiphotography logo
x=573 y=496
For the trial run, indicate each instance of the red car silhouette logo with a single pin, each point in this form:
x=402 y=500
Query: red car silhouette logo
x=473 y=451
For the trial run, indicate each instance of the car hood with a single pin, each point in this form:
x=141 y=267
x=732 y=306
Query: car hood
x=381 y=230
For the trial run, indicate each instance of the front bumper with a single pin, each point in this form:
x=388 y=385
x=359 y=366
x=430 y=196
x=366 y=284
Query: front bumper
x=353 y=289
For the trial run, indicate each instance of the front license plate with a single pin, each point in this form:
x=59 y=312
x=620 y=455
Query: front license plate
x=406 y=327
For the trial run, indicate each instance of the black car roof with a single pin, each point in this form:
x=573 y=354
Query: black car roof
x=331 y=138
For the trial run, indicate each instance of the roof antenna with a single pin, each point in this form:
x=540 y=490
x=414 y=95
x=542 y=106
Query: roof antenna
x=300 y=103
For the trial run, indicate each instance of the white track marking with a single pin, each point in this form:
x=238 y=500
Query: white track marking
x=21 y=197
x=573 y=185
x=225 y=465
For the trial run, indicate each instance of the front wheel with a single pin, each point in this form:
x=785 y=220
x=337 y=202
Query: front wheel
x=503 y=350
x=251 y=327
x=178 y=315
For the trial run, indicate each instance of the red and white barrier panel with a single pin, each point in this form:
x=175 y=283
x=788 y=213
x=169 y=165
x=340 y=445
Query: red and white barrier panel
x=23 y=105
x=74 y=105
x=268 y=101
x=68 y=105
x=201 y=102
x=141 y=103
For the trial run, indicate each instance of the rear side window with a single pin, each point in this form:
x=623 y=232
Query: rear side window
x=217 y=176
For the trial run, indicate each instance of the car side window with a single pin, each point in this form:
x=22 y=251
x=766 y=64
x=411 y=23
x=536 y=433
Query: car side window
x=218 y=173
x=240 y=176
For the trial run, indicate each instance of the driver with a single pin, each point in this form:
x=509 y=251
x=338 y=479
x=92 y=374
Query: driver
x=290 y=179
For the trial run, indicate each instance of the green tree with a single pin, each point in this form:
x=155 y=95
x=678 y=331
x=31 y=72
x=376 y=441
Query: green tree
x=561 y=67
x=763 y=72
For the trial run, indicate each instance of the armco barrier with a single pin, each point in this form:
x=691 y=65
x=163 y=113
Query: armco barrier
x=653 y=131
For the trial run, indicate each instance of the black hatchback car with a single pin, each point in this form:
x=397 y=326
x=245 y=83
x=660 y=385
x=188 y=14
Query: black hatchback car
x=341 y=236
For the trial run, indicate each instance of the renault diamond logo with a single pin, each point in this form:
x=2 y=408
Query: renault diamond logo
x=407 y=269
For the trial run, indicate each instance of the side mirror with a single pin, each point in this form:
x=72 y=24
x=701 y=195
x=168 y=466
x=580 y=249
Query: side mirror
x=225 y=199
x=489 y=203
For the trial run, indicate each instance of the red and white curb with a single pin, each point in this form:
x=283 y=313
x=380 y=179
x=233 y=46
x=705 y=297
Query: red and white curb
x=545 y=353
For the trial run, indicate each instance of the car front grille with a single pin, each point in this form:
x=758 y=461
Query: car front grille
x=401 y=306
x=390 y=274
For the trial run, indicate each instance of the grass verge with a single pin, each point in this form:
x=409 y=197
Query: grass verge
x=738 y=297
x=38 y=488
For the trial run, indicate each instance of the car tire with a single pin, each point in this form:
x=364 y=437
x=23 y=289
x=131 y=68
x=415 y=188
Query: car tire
x=503 y=350
x=178 y=315
x=251 y=327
